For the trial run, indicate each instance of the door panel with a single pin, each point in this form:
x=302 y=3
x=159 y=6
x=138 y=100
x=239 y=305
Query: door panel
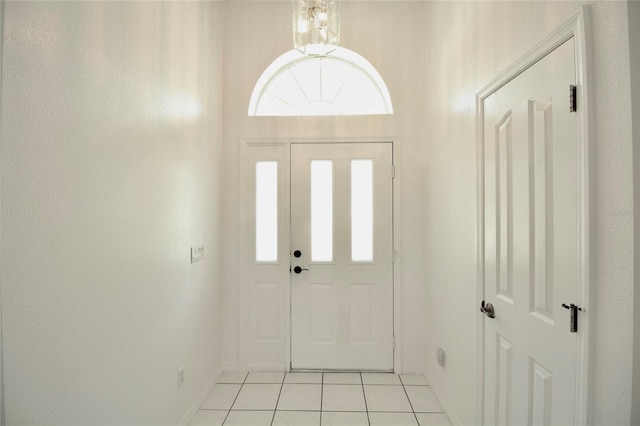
x=531 y=245
x=342 y=302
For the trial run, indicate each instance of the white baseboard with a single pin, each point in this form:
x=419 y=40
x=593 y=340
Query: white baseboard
x=230 y=367
x=453 y=416
x=267 y=367
x=412 y=369
x=200 y=399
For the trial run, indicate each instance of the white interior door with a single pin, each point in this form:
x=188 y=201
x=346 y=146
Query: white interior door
x=342 y=248
x=531 y=232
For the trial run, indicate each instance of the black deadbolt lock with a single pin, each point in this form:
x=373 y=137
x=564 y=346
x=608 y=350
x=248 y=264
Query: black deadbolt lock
x=297 y=253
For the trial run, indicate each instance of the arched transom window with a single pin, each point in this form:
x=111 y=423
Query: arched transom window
x=340 y=83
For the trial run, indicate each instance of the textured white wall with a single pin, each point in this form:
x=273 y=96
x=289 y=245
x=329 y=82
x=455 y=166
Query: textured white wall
x=468 y=43
x=634 y=56
x=111 y=130
x=2 y=422
x=385 y=33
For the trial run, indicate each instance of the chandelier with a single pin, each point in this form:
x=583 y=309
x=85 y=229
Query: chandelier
x=316 y=26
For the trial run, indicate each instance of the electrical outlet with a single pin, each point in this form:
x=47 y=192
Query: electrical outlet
x=197 y=253
x=180 y=375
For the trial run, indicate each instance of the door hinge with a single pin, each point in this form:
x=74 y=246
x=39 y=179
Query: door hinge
x=393 y=172
x=394 y=254
x=394 y=342
x=573 y=98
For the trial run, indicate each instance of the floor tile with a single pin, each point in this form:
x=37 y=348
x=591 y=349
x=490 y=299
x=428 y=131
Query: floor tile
x=423 y=399
x=392 y=419
x=386 y=398
x=303 y=378
x=257 y=397
x=300 y=397
x=249 y=418
x=208 y=418
x=297 y=418
x=414 y=380
x=265 y=377
x=231 y=377
x=342 y=378
x=344 y=419
x=433 y=419
x=221 y=397
x=343 y=398
x=380 y=379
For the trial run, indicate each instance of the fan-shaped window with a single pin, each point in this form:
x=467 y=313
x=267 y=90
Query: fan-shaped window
x=340 y=83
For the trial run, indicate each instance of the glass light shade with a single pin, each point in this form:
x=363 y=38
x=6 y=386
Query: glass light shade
x=316 y=26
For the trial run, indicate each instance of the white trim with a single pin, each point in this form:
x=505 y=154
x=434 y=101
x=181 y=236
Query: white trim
x=247 y=143
x=480 y=258
x=577 y=27
x=286 y=142
x=397 y=245
x=268 y=367
x=241 y=254
x=231 y=367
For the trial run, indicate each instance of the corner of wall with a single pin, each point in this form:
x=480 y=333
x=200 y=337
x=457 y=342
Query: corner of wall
x=204 y=392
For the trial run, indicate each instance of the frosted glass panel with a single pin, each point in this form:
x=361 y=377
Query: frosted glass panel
x=361 y=210
x=340 y=83
x=266 y=211
x=321 y=211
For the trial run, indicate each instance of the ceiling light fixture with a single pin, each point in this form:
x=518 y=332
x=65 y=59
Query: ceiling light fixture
x=316 y=26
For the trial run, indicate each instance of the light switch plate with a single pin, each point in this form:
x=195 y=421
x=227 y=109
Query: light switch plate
x=197 y=253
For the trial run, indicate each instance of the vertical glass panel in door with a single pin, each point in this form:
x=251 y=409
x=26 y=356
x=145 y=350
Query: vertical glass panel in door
x=321 y=211
x=362 y=210
x=266 y=211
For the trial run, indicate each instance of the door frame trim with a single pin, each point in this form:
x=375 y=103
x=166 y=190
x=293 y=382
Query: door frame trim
x=396 y=143
x=576 y=27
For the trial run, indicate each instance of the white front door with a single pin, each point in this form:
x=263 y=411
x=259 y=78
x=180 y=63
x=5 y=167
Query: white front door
x=532 y=247
x=341 y=256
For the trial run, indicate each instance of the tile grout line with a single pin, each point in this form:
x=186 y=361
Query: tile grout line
x=322 y=383
x=409 y=399
x=364 y=395
x=284 y=376
x=235 y=399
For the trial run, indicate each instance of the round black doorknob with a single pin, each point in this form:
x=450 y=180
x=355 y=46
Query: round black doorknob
x=298 y=269
x=297 y=253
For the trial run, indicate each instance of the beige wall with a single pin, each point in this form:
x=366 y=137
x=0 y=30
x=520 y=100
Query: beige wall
x=2 y=422
x=468 y=43
x=114 y=162
x=111 y=129
x=634 y=54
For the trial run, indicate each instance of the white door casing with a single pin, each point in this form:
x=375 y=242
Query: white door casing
x=342 y=302
x=534 y=236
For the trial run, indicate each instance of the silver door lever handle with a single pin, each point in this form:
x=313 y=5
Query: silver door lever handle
x=487 y=310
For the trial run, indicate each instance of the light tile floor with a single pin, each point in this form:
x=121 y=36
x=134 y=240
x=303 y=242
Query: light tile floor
x=321 y=399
